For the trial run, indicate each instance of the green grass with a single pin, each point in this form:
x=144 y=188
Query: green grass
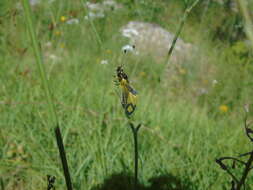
x=182 y=132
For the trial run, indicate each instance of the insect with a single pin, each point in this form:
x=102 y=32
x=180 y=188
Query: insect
x=50 y=182
x=129 y=95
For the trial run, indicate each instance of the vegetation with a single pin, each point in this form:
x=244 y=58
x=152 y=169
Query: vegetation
x=188 y=119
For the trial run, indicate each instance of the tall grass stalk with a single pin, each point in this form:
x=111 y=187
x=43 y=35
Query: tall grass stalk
x=39 y=61
x=181 y=25
x=52 y=110
x=98 y=38
x=238 y=183
x=179 y=30
x=63 y=158
x=136 y=156
x=248 y=23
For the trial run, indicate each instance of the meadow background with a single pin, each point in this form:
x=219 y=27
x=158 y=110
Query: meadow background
x=191 y=110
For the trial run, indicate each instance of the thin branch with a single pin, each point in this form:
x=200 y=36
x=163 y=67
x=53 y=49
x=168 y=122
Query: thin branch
x=135 y=135
x=243 y=4
x=181 y=25
x=231 y=158
x=245 y=154
x=238 y=184
x=224 y=167
x=39 y=61
x=63 y=158
x=245 y=172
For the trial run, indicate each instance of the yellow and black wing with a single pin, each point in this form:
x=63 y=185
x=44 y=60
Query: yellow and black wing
x=129 y=99
x=129 y=95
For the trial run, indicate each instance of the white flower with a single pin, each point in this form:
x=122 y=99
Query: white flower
x=104 y=62
x=73 y=21
x=94 y=15
x=109 y=3
x=202 y=91
x=214 y=82
x=128 y=48
x=19 y=6
x=34 y=2
x=48 y=44
x=53 y=57
x=97 y=15
x=93 y=6
x=246 y=108
x=129 y=32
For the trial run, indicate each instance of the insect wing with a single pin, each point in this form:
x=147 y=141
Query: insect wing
x=129 y=98
x=131 y=90
x=129 y=95
x=124 y=98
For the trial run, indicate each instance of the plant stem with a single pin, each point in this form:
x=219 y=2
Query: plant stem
x=248 y=26
x=181 y=25
x=2 y=184
x=39 y=61
x=98 y=38
x=63 y=157
x=135 y=135
x=49 y=98
x=245 y=172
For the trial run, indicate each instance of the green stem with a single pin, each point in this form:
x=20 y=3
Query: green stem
x=63 y=158
x=2 y=184
x=181 y=25
x=248 y=23
x=135 y=135
x=39 y=61
x=98 y=38
x=49 y=98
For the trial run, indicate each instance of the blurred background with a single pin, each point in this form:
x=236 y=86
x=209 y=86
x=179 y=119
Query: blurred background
x=190 y=106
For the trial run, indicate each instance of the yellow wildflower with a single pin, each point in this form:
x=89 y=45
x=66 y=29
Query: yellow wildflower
x=142 y=74
x=205 y=81
x=57 y=33
x=62 y=45
x=223 y=108
x=182 y=71
x=108 y=51
x=63 y=18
